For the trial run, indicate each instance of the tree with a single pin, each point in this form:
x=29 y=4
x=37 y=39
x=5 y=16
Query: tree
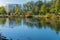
x=43 y=9
x=17 y=10
x=36 y=11
x=52 y=7
x=2 y=10
x=57 y=6
x=39 y=3
x=40 y=7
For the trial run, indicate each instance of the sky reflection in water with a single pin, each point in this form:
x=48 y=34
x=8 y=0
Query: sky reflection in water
x=29 y=29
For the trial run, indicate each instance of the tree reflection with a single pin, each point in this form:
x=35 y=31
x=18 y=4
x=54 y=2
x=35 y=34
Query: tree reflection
x=2 y=21
x=33 y=22
x=53 y=25
x=14 y=21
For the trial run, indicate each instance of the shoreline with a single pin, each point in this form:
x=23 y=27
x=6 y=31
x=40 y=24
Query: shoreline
x=34 y=16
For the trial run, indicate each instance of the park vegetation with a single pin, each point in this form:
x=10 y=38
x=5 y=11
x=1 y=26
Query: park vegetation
x=37 y=9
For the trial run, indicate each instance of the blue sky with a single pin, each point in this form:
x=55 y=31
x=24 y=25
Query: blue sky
x=4 y=2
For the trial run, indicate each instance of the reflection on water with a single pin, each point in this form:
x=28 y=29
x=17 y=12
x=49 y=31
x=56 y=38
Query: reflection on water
x=29 y=29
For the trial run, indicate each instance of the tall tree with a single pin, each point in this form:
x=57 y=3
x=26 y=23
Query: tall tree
x=39 y=3
x=43 y=8
x=2 y=10
x=17 y=10
x=57 y=6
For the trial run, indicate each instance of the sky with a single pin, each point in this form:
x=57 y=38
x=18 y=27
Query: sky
x=4 y=2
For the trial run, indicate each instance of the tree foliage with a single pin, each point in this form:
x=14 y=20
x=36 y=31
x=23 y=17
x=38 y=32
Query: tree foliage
x=2 y=10
x=17 y=10
x=36 y=8
x=40 y=7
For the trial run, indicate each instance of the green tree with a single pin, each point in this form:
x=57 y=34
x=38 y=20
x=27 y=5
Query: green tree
x=43 y=9
x=57 y=6
x=2 y=10
x=39 y=3
x=36 y=11
x=17 y=10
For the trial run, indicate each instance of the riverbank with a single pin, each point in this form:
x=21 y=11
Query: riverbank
x=34 y=16
x=10 y=16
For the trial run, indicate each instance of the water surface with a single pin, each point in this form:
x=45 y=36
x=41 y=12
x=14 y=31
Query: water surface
x=29 y=29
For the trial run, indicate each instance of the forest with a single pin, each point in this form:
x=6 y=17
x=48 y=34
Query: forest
x=39 y=8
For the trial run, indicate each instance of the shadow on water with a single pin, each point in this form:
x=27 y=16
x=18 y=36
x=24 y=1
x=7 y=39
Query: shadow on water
x=3 y=37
